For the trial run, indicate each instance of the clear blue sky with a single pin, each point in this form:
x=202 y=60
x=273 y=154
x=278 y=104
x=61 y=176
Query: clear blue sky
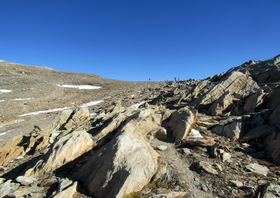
x=139 y=39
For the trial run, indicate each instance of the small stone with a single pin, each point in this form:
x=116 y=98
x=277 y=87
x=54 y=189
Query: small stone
x=225 y=156
x=205 y=166
x=204 y=188
x=186 y=151
x=146 y=191
x=236 y=183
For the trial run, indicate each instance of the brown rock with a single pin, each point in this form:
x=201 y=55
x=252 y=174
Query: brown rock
x=232 y=82
x=80 y=115
x=63 y=151
x=198 y=142
x=159 y=133
x=125 y=165
x=11 y=150
x=221 y=104
x=181 y=122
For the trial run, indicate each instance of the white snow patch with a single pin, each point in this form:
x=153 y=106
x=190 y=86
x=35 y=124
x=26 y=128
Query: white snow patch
x=6 y=132
x=80 y=86
x=22 y=98
x=5 y=91
x=132 y=96
x=94 y=114
x=1 y=60
x=195 y=133
x=46 y=111
x=2 y=100
x=91 y=103
x=20 y=157
x=139 y=104
x=61 y=109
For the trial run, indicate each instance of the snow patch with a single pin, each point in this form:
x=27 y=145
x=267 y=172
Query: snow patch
x=61 y=109
x=80 y=86
x=5 y=91
x=2 y=100
x=91 y=103
x=132 y=96
x=22 y=98
x=94 y=114
x=195 y=133
x=139 y=104
x=46 y=111
x=6 y=132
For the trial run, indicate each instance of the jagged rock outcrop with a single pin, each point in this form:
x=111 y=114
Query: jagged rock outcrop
x=233 y=82
x=63 y=151
x=11 y=150
x=126 y=157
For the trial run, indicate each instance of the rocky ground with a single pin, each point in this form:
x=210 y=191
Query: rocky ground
x=216 y=137
x=34 y=89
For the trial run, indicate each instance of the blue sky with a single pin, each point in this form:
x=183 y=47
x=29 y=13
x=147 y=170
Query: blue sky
x=139 y=39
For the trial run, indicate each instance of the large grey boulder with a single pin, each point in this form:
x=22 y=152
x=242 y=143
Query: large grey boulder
x=181 y=122
x=253 y=101
x=232 y=130
x=275 y=117
x=272 y=145
x=221 y=104
x=258 y=133
x=232 y=82
x=63 y=151
x=125 y=165
x=8 y=187
x=79 y=115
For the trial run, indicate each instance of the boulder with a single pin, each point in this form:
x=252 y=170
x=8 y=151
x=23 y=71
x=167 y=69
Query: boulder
x=68 y=192
x=32 y=191
x=273 y=98
x=79 y=115
x=275 y=117
x=253 y=101
x=258 y=133
x=257 y=168
x=181 y=122
x=205 y=166
x=110 y=126
x=273 y=146
x=7 y=188
x=56 y=124
x=25 y=181
x=233 y=82
x=221 y=104
x=199 y=87
x=232 y=130
x=125 y=165
x=11 y=150
x=198 y=142
x=159 y=133
x=63 y=151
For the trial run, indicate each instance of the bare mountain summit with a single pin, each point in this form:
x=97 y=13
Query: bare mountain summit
x=80 y=135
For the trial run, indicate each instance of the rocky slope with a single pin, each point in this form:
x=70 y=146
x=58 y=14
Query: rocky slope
x=216 y=137
x=26 y=89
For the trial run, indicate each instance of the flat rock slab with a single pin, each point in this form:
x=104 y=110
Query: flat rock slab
x=257 y=168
